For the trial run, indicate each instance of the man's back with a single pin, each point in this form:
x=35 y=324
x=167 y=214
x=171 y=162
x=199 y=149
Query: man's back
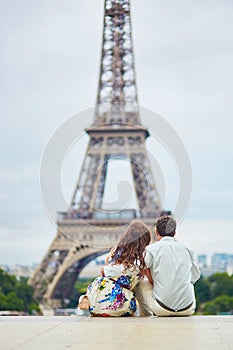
x=173 y=270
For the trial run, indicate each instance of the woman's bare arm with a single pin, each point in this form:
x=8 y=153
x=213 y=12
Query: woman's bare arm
x=108 y=257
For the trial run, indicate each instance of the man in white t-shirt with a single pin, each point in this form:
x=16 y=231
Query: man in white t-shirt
x=171 y=271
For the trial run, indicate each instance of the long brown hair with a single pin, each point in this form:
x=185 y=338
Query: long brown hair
x=130 y=248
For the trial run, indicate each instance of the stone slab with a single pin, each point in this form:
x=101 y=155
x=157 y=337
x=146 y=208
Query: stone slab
x=144 y=333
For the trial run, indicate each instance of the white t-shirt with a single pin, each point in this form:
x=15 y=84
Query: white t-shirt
x=174 y=271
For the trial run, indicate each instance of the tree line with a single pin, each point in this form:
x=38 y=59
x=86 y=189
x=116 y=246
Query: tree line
x=16 y=294
x=214 y=294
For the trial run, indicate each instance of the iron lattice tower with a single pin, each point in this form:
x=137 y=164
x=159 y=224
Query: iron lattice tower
x=86 y=230
x=116 y=131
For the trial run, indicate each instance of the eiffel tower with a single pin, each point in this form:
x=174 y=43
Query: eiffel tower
x=86 y=230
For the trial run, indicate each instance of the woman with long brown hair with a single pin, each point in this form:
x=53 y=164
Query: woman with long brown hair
x=112 y=293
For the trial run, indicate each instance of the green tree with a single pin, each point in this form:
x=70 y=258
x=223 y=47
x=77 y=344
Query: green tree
x=7 y=282
x=25 y=293
x=220 y=284
x=13 y=302
x=202 y=289
x=16 y=294
x=10 y=301
x=3 y=302
x=221 y=304
x=34 y=308
x=213 y=293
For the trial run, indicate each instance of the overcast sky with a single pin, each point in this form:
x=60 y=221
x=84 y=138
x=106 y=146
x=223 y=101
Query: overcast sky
x=50 y=55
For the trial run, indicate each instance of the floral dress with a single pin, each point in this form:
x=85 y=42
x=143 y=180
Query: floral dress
x=112 y=295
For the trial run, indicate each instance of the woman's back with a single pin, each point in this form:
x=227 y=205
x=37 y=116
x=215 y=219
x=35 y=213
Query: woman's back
x=111 y=294
x=119 y=272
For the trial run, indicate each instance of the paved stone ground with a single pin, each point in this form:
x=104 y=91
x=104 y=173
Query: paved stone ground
x=146 y=333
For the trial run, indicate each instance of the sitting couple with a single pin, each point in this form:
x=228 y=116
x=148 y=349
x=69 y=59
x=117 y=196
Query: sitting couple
x=159 y=275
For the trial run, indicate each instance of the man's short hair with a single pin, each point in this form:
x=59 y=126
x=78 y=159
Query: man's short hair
x=166 y=226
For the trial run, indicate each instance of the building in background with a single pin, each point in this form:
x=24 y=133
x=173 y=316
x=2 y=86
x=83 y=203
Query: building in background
x=202 y=260
x=220 y=262
x=19 y=270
